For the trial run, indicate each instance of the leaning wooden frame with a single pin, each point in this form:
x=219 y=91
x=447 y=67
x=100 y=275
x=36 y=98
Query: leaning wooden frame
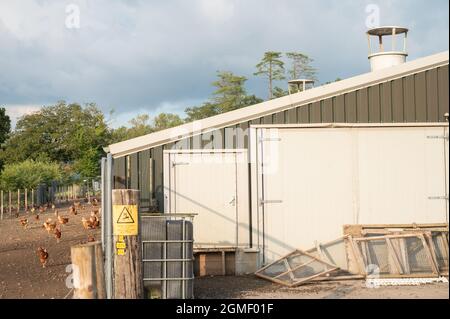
x=338 y=252
x=284 y=271
x=396 y=255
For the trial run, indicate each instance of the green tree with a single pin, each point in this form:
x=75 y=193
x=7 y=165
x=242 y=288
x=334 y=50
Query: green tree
x=29 y=174
x=272 y=67
x=166 y=120
x=229 y=95
x=61 y=133
x=279 y=92
x=5 y=127
x=140 y=125
x=196 y=113
x=301 y=67
x=336 y=80
x=230 y=92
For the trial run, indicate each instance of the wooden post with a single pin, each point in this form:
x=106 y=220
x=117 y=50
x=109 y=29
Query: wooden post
x=88 y=276
x=88 y=194
x=26 y=199
x=127 y=263
x=32 y=198
x=9 y=203
x=18 y=201
x=1 y=204
x=100 y=271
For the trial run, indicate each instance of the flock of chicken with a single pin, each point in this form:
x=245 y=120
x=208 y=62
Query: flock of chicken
x=51 y=226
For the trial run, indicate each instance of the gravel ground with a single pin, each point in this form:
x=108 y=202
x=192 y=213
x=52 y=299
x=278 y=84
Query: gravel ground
x=22 y=276
x=248 y=287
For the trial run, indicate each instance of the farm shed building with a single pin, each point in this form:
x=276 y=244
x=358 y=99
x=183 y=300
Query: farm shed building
x=190 y=168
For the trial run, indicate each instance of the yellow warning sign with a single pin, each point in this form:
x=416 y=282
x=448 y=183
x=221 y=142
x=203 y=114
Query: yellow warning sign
x=120 y=252
x=121 y=245
x=125 y=220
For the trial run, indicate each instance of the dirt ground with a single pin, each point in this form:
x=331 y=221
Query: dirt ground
x=21 y=273
x=22 y=276
x=250 y=287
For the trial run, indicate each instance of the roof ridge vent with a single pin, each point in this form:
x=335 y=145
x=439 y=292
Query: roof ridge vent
x=381 y=58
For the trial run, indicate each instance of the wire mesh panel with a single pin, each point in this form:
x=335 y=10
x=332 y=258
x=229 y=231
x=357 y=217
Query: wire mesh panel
x=295 y=268
x=439 y=241
x=375 y=252
x=167 y=249
x=335 y=252
x=400 y=255
x=418 y=255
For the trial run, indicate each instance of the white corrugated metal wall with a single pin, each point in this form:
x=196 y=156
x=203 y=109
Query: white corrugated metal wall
x=312 y=181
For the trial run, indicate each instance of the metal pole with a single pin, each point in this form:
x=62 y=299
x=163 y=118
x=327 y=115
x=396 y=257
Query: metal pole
x=26 y=199
x=394 y=33
x=183 y=255
x=404 y=42
x=108 y=227
x=32 y=197
x=103 y=190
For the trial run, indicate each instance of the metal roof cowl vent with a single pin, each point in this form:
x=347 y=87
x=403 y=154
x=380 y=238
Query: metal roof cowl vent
x=381 y=59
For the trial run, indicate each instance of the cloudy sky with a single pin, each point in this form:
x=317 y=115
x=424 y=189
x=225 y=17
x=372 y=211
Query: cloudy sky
x=153 y=56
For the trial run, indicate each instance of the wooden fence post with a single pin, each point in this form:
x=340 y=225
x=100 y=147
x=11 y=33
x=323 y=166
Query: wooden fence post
x=18 y=201
x=1 y=204
x=88 y=275
x=100 y=271
x=127 y=256
x=88 y=194
x=9 y=204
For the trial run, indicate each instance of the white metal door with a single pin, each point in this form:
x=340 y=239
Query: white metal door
x=300 y=197
x=206 y=183
x=312 y=181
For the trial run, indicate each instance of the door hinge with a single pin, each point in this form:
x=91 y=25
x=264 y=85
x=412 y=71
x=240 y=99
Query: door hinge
x=179 y=163
x=438 y=197
x=445 y=137
x=270 y=201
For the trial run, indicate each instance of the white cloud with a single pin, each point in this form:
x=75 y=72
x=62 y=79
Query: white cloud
x=127 y=54
x=16 y=111
x=217 y=10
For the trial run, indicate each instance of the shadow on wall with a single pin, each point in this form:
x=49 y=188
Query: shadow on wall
x=254 y=231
